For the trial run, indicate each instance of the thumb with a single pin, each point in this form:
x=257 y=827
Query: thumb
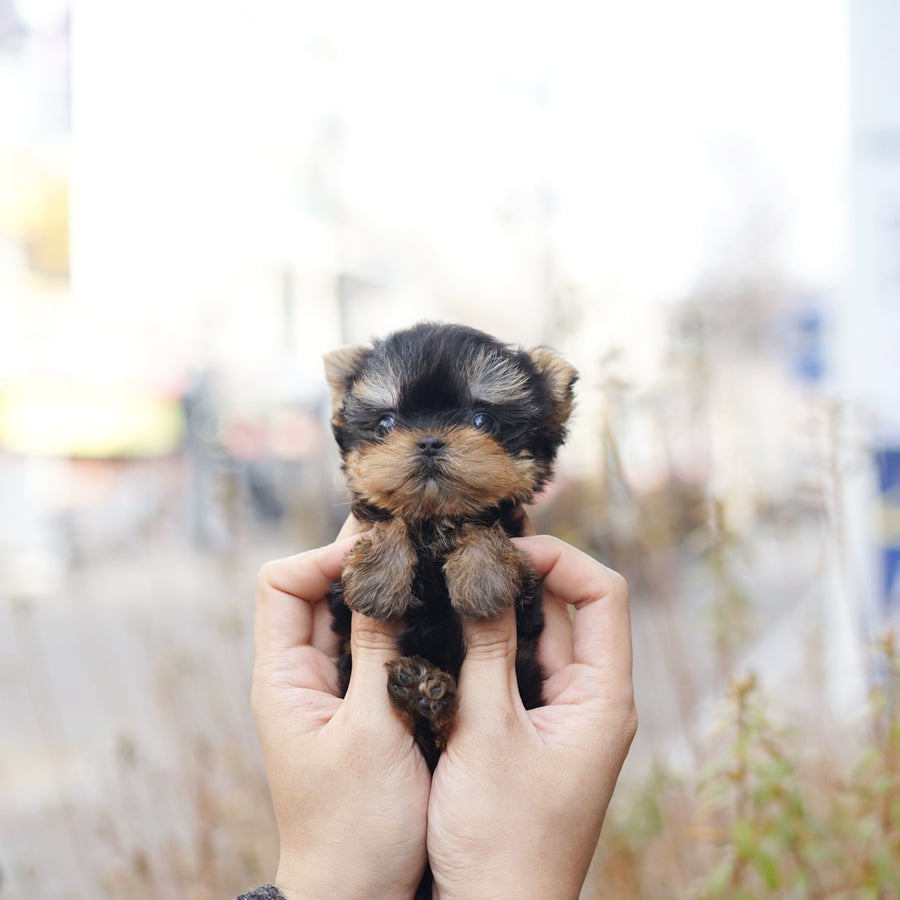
x=487 y=678
x=373 y=644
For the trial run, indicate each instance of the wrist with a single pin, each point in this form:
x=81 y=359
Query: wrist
x=337 y=880
x=503 y=890
x=364 y=893
x=517 y=881
x=550 y=876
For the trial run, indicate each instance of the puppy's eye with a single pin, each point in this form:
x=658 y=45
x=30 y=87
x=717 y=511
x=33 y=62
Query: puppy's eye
x=385 y=426
x=485 y=422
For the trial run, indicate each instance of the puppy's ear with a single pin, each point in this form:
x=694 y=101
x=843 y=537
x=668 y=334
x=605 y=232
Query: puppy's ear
x=559 y=377
x=340 y=366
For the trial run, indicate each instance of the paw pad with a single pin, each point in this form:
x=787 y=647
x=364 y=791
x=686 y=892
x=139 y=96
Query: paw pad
x=423 y=694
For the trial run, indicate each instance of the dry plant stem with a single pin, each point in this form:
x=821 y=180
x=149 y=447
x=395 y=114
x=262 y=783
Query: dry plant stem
x=659 y=566
x=890 y=730
x=741 y=690
x=836 y=490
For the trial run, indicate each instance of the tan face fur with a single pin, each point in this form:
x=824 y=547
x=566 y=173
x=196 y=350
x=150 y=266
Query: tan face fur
x=471 y=475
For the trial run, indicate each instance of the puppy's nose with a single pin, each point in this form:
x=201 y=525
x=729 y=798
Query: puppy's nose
x=430 y=446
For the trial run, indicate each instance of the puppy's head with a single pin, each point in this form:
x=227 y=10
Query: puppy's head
x=444 y=422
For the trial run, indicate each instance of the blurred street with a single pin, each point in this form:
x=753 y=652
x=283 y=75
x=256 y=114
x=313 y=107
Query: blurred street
x=113 y=695
x=124 y=703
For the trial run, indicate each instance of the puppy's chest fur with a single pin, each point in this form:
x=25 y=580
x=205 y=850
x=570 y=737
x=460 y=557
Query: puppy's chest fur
x=466 y=570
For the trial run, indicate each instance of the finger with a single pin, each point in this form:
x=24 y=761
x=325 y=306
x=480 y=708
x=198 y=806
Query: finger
x=373 y=644
x=488 y=674
x=601 y=623
x=287 y=594
x=555 y=642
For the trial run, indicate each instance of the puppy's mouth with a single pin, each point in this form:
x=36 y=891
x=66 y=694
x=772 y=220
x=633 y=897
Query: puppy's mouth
x=431 y=469
x=453 y=475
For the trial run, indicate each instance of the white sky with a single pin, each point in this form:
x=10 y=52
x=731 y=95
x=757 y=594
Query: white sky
x=660 y=123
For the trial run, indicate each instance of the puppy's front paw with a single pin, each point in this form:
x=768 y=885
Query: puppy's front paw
x=485 y=573
x=378 y=573
x=421 y=691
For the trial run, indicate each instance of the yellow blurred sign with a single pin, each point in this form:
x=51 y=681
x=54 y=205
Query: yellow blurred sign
x=56 y=418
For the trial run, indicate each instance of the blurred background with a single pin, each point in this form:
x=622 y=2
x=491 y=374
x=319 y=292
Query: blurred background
x=698 y=203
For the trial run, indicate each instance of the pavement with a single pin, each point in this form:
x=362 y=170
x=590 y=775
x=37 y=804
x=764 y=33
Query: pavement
x=129 y=763
x=126 y=735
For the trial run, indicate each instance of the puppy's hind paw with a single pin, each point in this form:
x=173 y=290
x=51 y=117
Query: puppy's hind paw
x=425 y=697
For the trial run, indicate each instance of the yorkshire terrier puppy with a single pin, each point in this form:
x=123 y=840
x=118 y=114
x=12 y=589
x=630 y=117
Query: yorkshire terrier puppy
x=444 y=433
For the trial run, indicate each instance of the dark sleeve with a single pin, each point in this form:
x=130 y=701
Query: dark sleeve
x=265 y=892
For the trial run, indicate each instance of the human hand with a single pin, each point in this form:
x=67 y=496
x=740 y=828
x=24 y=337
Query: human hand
x=518 y=797
x=349 y=786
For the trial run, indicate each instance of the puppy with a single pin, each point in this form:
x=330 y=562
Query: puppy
x=444 y=433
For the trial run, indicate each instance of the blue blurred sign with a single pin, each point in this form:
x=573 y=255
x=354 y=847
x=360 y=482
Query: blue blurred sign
x=807 y=344
x=887 y=463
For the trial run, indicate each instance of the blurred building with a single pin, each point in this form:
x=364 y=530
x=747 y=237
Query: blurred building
x=869 y=327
